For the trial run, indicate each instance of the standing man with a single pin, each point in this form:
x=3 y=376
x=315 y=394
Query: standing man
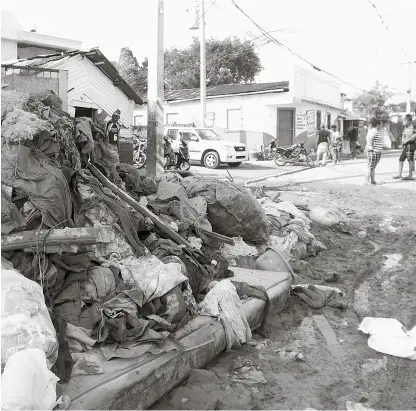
x=112 y=131
x=409 y=146
x=373 y=150
x=353 y=134
x=322 y=145
x=336 y=145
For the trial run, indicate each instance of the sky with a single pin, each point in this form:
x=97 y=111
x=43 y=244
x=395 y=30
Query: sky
x=346 y=38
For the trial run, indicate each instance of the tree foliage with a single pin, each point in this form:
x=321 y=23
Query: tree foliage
x=372 y=102
x=134 y=74
x=228 y=61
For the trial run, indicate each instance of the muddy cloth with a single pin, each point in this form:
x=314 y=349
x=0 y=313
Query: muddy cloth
x=130 y=222
x=162 y=247
x=135 y=181
x=46 y=186
x=318 y=298
x=232 y=211
x=83 y=134
x=106 y=159
x=11 y=218
x=48 y=98
x=100 y=283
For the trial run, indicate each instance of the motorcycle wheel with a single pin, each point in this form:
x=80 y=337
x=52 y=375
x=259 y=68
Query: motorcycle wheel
x=185 y=166
x=309 y=161
x=279 y=160
x=140 y=160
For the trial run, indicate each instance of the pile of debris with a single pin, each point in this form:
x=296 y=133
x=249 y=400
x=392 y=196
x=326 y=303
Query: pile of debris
x=122 y=259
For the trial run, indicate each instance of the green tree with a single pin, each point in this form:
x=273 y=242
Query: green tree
x=229 y=61
x=134 y=74
x=372 y=102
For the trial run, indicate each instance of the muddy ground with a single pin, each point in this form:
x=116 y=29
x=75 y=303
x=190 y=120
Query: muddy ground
x=317 y=358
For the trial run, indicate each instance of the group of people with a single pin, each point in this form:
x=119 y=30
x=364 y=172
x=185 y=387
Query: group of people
x=329 y=142
x=374 y=148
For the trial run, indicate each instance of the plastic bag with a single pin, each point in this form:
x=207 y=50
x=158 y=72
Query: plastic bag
x=222 y=301
x=25 y=320
x=26 y=383
x=327 y=218
x=232 y=211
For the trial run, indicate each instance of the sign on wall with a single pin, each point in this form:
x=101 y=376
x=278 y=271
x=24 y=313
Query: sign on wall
x=311 y=122
x=301 y=124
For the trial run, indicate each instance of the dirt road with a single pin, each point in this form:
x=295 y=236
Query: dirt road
x=317 y=358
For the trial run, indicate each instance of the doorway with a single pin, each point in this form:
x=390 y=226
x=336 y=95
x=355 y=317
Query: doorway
x=85 y=112
x=285 y=126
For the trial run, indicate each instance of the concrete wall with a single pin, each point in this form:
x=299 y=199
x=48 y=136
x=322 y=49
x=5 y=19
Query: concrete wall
x=8 y=50
x=259 y=115
x=36 y=84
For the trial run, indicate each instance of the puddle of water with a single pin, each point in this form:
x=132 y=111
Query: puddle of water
x=392 y=260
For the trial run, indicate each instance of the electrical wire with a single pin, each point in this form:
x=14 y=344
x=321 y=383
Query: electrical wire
x=379 y=15
x=205 y=11
x=282 y=45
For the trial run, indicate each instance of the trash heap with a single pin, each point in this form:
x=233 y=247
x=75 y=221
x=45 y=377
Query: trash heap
x=122 y=259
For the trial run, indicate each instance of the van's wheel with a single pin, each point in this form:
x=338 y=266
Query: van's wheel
x=212 y=160
x=234 y=164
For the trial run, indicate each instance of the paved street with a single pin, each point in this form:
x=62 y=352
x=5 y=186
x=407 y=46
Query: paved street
x=351 y=172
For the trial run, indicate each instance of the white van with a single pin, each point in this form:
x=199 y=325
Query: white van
x=207 y=147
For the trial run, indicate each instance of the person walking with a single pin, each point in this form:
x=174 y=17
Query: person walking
x=409 y=146
x=373 y=150
x=322 y=145
x=112 y=130
x=353 y=134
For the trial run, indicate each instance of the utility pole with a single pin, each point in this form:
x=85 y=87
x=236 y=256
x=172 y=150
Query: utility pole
x=409 y=91
x=155 y=92
x=203 y=70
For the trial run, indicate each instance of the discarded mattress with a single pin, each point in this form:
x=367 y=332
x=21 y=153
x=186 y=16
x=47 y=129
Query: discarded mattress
x=139 y=382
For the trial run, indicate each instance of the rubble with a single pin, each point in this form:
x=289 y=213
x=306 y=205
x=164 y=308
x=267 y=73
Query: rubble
x=123 y=258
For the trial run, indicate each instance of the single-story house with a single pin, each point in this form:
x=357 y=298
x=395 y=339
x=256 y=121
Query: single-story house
x=95 y=87
x=255 y=114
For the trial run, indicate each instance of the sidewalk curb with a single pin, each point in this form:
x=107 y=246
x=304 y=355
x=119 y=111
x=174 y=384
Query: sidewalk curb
x=256 y=180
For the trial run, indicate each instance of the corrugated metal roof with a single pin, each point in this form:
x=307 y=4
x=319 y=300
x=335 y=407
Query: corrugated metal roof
x=96 y=57
x=226 y=89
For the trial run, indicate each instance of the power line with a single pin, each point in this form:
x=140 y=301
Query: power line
x=205 y=12
x=282 y=45
x=379 y=15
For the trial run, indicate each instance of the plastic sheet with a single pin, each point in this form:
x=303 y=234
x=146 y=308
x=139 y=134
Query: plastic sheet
x=25 y=321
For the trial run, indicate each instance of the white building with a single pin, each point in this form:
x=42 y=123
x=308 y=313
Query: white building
x=17 y=43
x=254 y=114
x=95 y=87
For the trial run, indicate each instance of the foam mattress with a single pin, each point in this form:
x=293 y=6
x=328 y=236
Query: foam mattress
x=138 y=383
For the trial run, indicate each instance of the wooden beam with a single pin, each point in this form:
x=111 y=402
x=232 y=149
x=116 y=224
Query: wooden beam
x=164 y=228
x=58 y=237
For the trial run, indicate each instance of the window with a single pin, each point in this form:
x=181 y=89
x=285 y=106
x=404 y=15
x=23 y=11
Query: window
x=318 y=119
x=171 y=118
x=234 y=119
x=139 y=120
x=207 y=134
x=172 y=133
x=328 y=121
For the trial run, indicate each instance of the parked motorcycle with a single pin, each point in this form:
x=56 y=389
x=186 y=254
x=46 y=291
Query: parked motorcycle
x=179 y=160
x=140 y=153
x=292 y=155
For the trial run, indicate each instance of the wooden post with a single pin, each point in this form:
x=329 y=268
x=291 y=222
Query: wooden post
x=155 y=93
x=203 y=73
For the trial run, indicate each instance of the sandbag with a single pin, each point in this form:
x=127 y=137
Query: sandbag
x=11 y=100
x=25 y=321
x=20 y=125
x=232 y=211
x=325 y=217
x=27 y=384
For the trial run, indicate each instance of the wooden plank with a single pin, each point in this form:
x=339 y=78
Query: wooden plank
x=58 y=237
x=164 y=228
x=219 y=237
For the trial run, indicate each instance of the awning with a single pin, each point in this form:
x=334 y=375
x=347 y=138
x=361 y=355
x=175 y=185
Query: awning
x=354 y=117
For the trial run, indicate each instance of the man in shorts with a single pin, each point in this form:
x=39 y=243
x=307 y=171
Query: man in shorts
x=409 y=146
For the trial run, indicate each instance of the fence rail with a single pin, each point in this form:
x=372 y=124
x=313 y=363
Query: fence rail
x=12 y=69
